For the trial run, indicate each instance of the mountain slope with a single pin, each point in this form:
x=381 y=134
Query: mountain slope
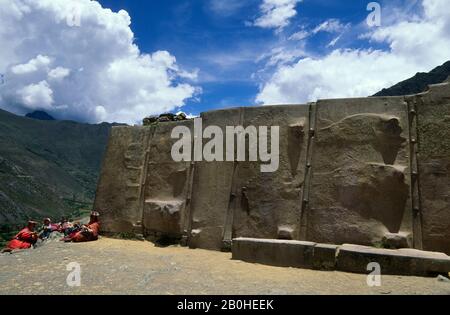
x=47 y=168
x=39 y=115
x=419 y=82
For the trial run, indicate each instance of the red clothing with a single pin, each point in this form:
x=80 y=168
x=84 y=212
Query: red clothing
x=87 y=236
x=23 y=240
x=95 y=227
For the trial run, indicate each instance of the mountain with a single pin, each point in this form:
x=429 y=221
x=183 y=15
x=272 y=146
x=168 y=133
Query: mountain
x=47 y=167
x=419 y=82
x=39 y=115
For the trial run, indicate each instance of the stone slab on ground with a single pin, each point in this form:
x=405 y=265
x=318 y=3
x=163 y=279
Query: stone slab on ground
x=282 y=253
x=324 y=257
x=348 y=258
x=355 y=258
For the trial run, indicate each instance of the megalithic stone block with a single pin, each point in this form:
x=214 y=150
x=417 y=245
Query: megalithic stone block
x=325 y=256
x=164 y=217
x=348 y=258
x=356 y=258
x=282 y=253
x=433 y=124
x=349 y=171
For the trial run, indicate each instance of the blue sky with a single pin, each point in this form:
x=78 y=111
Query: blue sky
x=121 y=60
x=217 y=40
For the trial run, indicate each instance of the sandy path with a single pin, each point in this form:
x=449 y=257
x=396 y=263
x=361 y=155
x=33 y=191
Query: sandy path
x=112 y=266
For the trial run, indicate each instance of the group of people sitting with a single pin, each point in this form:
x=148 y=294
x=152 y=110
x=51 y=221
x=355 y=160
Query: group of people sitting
x=72 y=231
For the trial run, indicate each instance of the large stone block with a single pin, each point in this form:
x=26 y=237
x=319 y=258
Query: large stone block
x=396 y=240
x=167 y=185
x=163 y=217
x=348 y=258
x=211 y=191
x=369 y=171
x=325 y=256
x=433 y=116
x=282 y=253
x=268 y=205
x=119 y=187
x=360 y=186
x=356 y=258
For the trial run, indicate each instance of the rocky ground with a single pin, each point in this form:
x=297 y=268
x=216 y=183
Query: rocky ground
x=112 y=266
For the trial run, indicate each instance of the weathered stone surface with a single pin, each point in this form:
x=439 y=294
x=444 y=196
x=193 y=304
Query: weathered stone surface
x=369 y=171
x=119 y=187
x=166 y=184
x=360 y=182
x=433 y=111
x=194 y=238
x=325 y=256
x=211 y=190
x=163 y=217
x=285 y=233
x=355 y=258
x=396 y=240
x=280 y=253
x=285 y=253
x=349 y=258
x=268 y=205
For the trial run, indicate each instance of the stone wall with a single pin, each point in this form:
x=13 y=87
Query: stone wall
x=367 y=171
x=433 y=155
x=360 y=172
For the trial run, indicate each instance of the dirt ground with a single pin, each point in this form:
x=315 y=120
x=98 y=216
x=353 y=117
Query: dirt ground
x=111 y=266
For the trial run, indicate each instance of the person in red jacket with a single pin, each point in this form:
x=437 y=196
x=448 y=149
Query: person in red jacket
x=26 y=238
x=88 y=232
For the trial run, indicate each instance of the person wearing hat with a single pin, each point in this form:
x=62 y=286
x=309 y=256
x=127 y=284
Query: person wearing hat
x=26 y=238
x=88 y=232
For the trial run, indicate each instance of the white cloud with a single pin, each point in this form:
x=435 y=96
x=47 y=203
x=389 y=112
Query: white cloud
x=31 y=66
x=282 y=55
x=418 y=44
x=276 y=13
x=300 y=35
x=334 y=41
x=38 y=95
x=193 y=75
x=93 y=71
x=58 y=73
x=330 y=26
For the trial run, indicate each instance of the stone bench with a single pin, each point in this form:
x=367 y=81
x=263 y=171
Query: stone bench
x=355 y=258
x=348 y=258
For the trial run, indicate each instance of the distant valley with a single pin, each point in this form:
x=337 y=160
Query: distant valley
x=47 y=167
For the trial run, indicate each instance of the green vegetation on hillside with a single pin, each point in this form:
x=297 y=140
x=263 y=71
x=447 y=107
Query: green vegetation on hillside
x=47 y=168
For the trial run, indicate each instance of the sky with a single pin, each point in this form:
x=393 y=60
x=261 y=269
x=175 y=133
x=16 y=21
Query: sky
x=122 y=60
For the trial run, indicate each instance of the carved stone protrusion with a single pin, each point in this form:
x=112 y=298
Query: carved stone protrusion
x=396 y=240
x=285 y=233
x=295 y=140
